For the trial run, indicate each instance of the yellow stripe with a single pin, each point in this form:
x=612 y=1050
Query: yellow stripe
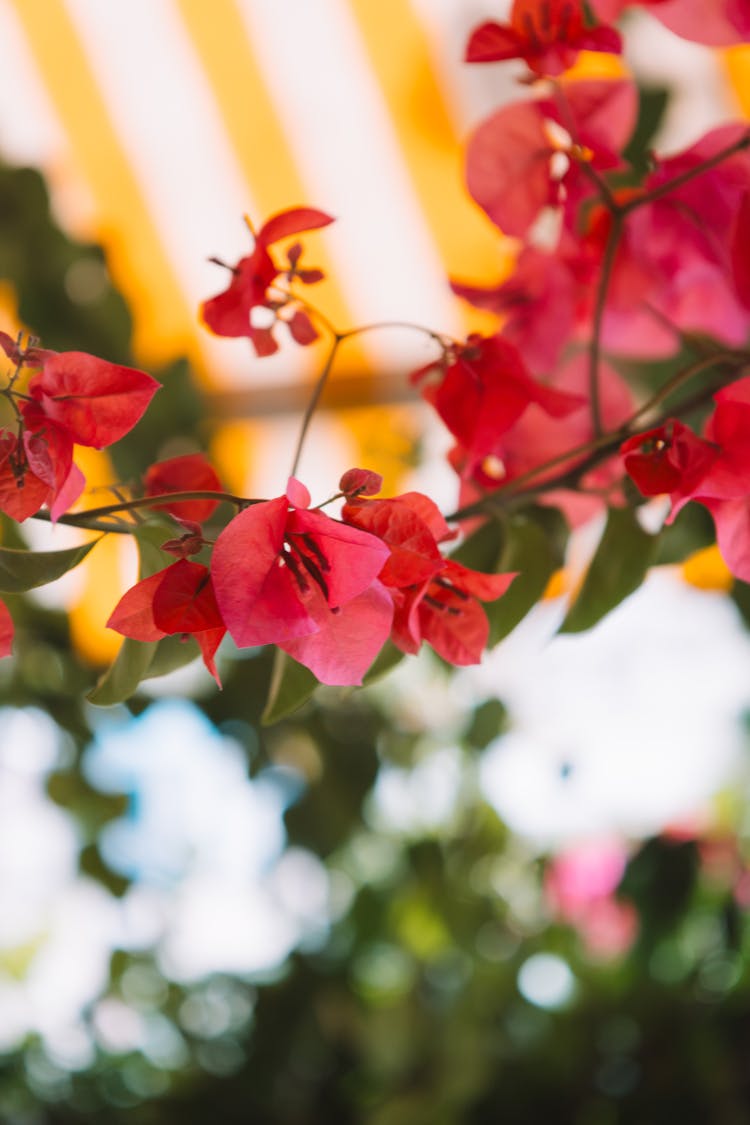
x=164 y=324
x=260 y=144
x=467 y=242
x=270 y=170
x=737 y=62
x=707 y=570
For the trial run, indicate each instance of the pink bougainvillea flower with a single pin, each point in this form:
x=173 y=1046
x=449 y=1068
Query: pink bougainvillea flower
x=436 y=600
x=178 y=600
x=528 y=155
x=676 y=257
x=580 y=886
x=538 y=437
x=547 y=34
x=190 y=473
x=95 y=401
x=717 y=23
x=6 y=631
x=537 y=303
x=482 y=388
x=231 y=312
x=288 y=576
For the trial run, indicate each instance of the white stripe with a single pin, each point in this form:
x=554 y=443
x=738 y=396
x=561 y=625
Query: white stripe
x=340 y=133
x=30 y=129
x=170 y=128
x=472 y=91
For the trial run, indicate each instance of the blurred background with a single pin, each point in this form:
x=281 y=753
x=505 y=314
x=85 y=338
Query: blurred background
x=517 y=892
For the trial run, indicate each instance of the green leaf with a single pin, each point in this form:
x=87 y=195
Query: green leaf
x=387 y=659
x=482 y=550
x=489 y=721
x=692 y=530
x=291 y=685
x=530 y=552
x=172 y=653
x=124 y=675
x=149 y=537
x=25 y=570
x=619 y=566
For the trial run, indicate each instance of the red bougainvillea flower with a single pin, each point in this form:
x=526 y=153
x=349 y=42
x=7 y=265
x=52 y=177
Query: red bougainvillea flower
x=360 y=482
x=482 y=388
x=190 y=473
x=714 y=472
x=6 y=631
x=95 y=401
x=74 y=398
x=231 y=313
x=673 y=459
x=187 y=544
x=717 y=23
x=740 y=251
x=546 y=34
x=52 y=458
x=729 y=428
x=299 y=579
x=178 y=600
x=436 y=599
x=25 y=472
x=668 y=459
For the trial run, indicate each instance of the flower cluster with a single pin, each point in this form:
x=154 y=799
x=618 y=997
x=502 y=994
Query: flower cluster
x=328 y=592
x=73 y=399
x=713 y=470
x=254 y=296
x=624 y=257
x=614 y=262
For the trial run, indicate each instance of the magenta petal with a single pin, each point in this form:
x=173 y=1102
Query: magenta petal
x=348 y=641
x=6 y=626
x=297 y=493
x=256 y=594
x=732 y=519
x=292 y=221
x=133 y=616
x=507 y=166
x=487 y=587
x=208 y=642
x=71 y=489
x=493 y=42
x=354 y=558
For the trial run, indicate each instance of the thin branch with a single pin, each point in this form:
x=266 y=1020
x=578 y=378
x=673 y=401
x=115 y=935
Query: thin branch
x=684 y=177
x=595 y=347
x=597 y=450
x=166 y=499
x=314 y=400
